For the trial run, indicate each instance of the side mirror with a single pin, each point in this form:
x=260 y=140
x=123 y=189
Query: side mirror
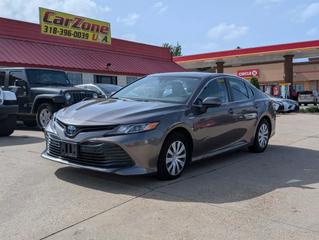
x=19 y=83
x=212 y=102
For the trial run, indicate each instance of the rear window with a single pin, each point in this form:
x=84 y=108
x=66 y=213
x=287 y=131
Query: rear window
x=305 y=92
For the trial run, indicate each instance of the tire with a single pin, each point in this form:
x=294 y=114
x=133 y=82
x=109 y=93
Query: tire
x=44 y=114
x=168 y=166
x=30 y=123
x=8 y=125
x=261 y=137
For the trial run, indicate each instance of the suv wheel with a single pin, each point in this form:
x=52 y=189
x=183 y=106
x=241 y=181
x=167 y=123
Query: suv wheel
x=261 y=137
x=7 y=126
x=44 y=114
x=174 y=157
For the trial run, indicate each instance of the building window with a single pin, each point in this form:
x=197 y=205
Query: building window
x=105 y=79
x=299 y=87
x=129 y=80
x=75 y=78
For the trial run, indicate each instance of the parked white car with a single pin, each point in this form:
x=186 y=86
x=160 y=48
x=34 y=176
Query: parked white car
x=285 y=105
x=308 y=97
x=8 y=111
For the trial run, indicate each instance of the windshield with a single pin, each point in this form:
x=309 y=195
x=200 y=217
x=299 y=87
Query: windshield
x=109 y=88
x=160 y=88
x=43 y=77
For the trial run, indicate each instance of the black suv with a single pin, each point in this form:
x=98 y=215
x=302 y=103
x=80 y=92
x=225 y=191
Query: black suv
x=41 y=92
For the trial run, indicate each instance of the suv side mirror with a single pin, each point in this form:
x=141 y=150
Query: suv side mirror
x=212 y=102
x=19 y=83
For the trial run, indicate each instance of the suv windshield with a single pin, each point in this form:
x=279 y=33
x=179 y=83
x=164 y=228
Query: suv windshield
x=160 y=88
x=41 y=77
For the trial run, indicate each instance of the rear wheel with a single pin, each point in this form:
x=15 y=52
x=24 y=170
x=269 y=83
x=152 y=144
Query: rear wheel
x=8 y=125
x=261 y=137
x=44 y=114
x=174 y=157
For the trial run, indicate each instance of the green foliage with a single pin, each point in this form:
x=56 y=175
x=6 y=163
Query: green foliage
x=175 y=50
x=254 y=81
x=313 y=109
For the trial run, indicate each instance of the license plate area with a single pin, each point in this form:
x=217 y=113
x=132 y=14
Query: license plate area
x=69 y=150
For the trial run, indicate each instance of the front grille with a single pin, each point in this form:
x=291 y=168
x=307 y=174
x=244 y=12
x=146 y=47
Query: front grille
x=95 y=154
x=88 y=128
x=79 y=96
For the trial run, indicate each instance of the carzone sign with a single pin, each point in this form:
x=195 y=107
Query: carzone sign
x=75 y=27
x=249 y=73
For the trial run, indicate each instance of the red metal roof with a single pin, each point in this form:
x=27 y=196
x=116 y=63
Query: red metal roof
x=249 y=51
x=22 y=44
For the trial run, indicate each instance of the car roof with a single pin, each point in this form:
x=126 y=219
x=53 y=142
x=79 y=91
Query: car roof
x=23 y=68
x=201 y=75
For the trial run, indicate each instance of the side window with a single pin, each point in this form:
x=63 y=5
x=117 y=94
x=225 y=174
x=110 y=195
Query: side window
x=13 y=76
x=250 y=92
x=2 y=78
x=216 y=88
x=238 y=88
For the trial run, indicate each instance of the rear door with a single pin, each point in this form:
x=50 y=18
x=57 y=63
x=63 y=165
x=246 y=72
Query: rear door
x=213 y=128
x=243 y=107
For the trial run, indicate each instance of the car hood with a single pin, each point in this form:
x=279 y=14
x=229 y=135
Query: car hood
x=115 y=111
x=57 y=89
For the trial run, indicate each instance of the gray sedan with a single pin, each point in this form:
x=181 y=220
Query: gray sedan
x=161 y=123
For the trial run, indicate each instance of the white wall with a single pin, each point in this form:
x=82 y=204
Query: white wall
x=121 y=81
x=88 y=78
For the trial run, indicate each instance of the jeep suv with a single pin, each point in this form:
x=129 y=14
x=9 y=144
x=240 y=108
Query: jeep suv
x=41 y=92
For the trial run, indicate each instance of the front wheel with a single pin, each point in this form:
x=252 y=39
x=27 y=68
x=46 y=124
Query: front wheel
x=174 y=157
x=44 y=114
x=261 y=137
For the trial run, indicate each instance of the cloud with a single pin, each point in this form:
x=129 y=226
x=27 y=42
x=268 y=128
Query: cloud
x=313 y=31
x=28 y=10
x=160 y=7
x=227 y=32
x=310 y=11
x=129 y=20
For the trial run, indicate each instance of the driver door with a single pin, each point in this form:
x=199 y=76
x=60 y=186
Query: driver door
x=214 y=127
x=20 y=91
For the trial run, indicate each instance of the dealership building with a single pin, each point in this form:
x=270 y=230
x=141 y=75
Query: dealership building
x=23 y=45
x=277 y=67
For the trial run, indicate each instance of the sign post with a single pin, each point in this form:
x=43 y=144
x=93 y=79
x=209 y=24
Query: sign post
x=70 y=26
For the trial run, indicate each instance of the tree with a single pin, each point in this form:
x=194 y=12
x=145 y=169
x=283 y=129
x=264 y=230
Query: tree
x=175 y=50
x=254 y=81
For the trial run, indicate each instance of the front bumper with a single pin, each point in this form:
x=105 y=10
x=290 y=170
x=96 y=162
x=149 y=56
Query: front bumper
x=132 y=154
x=134 y=170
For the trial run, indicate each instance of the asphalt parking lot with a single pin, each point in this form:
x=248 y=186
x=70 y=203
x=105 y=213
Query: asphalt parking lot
x=274 y=195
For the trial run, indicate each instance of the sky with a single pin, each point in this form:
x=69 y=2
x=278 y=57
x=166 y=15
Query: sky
x=199 y=26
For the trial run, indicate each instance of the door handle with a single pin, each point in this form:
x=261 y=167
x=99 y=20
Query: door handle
x=230 y=111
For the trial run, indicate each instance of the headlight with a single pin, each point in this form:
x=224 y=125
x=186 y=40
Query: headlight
x=95 y=95
x=1 y=97
x=136 y=128
x=68 y=96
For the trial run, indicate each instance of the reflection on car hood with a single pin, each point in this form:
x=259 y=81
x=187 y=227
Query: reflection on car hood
x=115 y=111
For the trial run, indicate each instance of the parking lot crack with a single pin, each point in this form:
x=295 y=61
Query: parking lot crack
x=97 y=214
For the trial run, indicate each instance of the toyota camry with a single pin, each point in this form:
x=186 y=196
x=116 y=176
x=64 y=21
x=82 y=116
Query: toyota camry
x=161 y=123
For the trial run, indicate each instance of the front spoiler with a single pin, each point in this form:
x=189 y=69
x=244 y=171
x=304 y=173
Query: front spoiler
x=128 y=171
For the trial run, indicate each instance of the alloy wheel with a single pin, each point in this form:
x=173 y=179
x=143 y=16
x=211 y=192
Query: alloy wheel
x=176 y=158
x=45 y=117
x=263 y=135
